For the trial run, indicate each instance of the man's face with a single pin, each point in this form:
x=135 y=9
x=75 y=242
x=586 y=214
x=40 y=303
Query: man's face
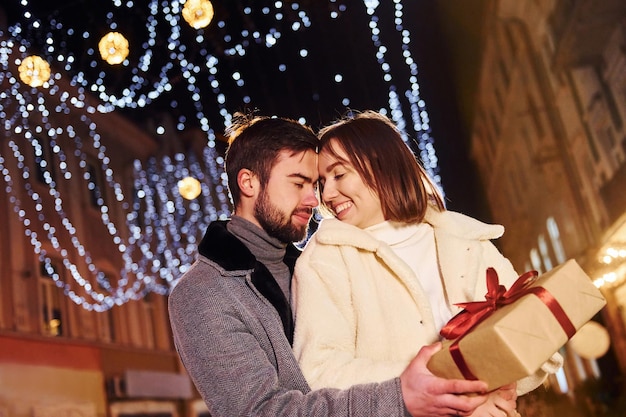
x=284 y=206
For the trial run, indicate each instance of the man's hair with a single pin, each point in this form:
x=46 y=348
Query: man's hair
x=255 y=142
x=375 y=148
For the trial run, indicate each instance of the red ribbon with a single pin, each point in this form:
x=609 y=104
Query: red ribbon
x=498 y=296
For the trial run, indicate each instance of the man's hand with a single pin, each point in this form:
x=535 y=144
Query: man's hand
x=500 y=403
x=426 y=395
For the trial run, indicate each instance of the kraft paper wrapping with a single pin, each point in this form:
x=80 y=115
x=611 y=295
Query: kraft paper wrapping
x=516 y=339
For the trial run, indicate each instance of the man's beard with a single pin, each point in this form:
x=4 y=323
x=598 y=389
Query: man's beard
x=276 y=223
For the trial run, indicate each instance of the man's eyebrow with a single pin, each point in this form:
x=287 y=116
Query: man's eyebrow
x=303 y=177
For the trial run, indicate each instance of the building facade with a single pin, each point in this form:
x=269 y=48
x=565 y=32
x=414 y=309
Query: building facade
x=81 y=333
x=549 y=140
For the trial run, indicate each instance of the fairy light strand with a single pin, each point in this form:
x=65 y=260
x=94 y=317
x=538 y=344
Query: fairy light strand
x=158 y=232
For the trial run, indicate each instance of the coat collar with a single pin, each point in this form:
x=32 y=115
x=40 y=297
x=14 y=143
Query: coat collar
x=335 y=232
x=223 y=248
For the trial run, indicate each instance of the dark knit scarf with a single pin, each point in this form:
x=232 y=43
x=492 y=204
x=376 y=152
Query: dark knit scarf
x=239 y=245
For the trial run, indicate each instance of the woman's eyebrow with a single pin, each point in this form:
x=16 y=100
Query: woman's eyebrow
x=333 y=165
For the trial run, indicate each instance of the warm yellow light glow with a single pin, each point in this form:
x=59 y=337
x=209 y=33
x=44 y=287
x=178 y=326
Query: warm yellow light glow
x=113 y=48
x=34 y=71
x=591 y=341
x=189 y=188
x=198 y=13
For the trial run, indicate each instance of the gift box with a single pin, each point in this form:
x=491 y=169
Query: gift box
x=514 y=332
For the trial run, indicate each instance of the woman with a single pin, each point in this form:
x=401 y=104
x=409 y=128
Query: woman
x=380 y=279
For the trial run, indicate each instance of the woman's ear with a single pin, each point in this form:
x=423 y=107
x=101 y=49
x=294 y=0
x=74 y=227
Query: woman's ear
x=248 y=183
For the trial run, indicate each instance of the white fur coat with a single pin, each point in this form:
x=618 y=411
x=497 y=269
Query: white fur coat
x=361 y=314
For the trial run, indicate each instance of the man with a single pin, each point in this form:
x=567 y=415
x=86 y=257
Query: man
x=230 y=314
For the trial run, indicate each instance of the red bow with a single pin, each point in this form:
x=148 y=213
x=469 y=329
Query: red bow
x=497 y=296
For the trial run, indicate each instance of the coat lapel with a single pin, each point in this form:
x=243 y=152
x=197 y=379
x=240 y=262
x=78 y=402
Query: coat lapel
x=219 y=245
x=265 y=283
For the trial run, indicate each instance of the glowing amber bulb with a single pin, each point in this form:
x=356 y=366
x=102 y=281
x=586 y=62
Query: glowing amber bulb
x=198 y=13
x=34 y=71
x=189 y=188
x=113 y=48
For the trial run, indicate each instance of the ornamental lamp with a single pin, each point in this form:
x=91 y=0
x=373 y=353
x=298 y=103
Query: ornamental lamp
x=113 y=48
x=198 y=13
x=189 y=188
x=34 y=71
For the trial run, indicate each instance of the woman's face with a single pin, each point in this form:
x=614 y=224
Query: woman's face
x=344 y=191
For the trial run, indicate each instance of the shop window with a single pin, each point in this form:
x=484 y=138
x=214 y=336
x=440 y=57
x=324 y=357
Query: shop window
x=143 y=409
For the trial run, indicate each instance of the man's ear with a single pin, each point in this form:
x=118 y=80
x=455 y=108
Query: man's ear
x=248 y=182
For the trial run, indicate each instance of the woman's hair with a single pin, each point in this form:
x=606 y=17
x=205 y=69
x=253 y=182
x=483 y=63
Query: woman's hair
x=375 y=148
x=255 y=143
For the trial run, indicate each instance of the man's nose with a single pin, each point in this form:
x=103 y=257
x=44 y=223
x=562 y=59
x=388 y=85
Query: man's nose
x=310 y=199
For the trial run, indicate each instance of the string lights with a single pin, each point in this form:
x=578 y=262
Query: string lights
x=176 y=195
x=615 y=258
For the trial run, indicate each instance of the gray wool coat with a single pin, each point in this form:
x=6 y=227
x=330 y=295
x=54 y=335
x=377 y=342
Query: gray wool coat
x=232 y=328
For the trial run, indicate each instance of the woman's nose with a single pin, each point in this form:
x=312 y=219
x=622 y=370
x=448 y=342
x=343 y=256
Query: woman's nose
x=328 y=192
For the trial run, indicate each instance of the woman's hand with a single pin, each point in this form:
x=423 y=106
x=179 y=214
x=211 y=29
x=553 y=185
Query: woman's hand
x=500 y=403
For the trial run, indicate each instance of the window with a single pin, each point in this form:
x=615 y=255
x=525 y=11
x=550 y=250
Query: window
x=545 y=254
x=106 y=319
x=95 y=184
x=535 y=260
x=51 y=298
x=148 y=320
x=555 y=239
x=43 y=166
x=111 y=325
x=106 y=324
x=139 y=207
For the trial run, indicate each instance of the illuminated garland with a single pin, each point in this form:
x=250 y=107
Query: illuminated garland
x=419 y=116
x=158 y=238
